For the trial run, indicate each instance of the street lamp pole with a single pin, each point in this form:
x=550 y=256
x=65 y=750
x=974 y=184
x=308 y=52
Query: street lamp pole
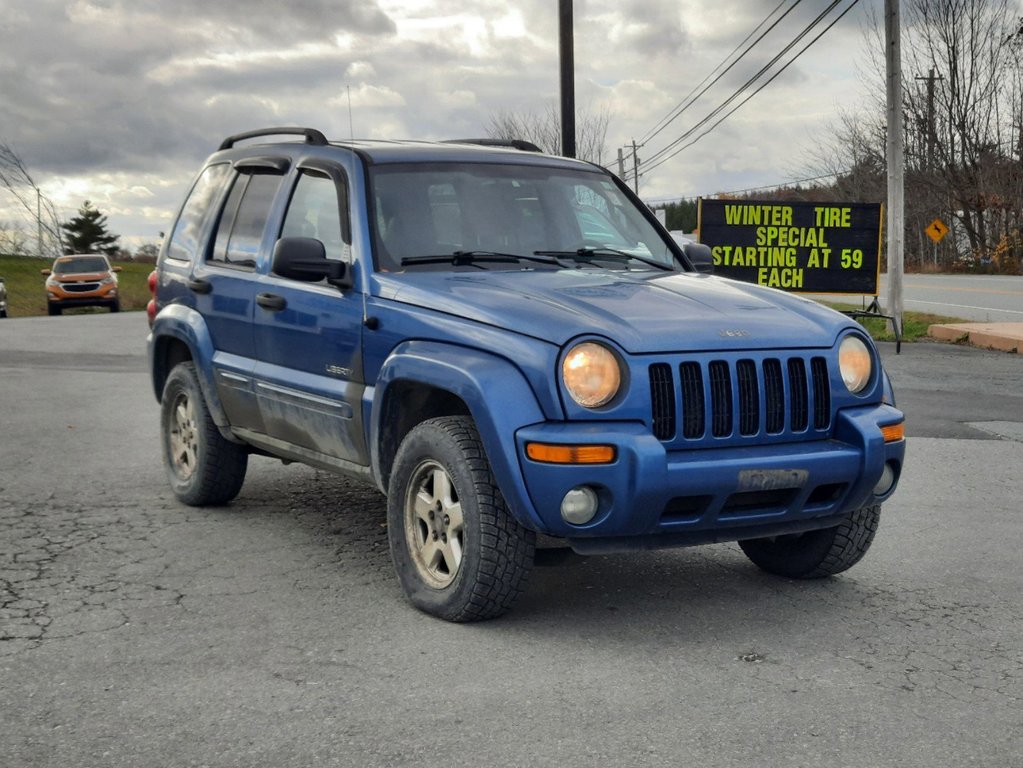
x=39 y=221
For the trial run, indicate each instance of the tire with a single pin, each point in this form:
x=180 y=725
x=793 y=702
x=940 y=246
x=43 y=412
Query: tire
x=204 y=469
x=52 y=310
x=816 y=554
x=442 y=490
x=115 y=306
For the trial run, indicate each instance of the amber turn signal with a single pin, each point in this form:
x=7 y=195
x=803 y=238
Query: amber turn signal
x=570 y=454
x=894 y=432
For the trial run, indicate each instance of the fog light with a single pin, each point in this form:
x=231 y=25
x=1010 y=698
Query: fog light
x=884 y=485
x=579 y=505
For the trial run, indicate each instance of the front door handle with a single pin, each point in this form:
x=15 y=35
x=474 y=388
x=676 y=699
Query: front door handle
x=200 y=286
x=271 y=301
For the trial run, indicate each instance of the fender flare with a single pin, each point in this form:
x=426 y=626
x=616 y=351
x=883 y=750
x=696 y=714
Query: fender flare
x=488 y=385
x=184 y=324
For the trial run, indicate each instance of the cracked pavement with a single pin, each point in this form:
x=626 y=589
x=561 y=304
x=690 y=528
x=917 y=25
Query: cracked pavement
x=135 y=631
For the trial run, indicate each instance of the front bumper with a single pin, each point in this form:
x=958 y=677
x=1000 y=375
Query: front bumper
x=99 y=298
x=650 y=497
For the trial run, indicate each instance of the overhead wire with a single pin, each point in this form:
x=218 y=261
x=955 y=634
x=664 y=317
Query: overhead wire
x=661 y=158
x=739 y=91
x=682 y=106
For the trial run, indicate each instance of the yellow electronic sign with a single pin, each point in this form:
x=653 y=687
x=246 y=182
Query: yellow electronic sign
x=796 y=246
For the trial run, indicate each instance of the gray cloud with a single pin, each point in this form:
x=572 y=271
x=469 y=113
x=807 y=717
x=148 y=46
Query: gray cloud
x=147 y=88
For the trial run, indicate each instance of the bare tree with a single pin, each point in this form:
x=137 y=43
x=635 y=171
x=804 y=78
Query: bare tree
x=963 y=104
x=13 y=241
x=544 y=129
x=33 y=205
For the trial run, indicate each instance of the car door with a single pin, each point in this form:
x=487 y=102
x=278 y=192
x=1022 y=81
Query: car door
x=309 y=334
x=224 y=283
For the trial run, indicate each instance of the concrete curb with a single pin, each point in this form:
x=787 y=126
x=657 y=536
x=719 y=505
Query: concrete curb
x=1005 y=337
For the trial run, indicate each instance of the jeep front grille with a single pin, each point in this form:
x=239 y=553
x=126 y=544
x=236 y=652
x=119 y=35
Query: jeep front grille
x=740 y=397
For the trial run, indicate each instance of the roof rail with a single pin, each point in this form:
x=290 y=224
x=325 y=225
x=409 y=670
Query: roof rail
x=525 y=146
x=312 y=136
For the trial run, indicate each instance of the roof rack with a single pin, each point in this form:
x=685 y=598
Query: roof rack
x=312 y=136
x=525 y=146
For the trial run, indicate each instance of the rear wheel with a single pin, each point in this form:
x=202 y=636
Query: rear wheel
x=816 y=554
x=458 y=552
x=202 y=466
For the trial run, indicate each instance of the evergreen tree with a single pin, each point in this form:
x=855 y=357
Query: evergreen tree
x=87 y=232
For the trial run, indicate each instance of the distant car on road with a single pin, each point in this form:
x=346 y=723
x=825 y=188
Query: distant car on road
x=3 y=298
x=82 y=280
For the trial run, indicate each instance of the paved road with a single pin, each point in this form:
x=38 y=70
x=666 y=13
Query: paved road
x=977 y=298
x=138 y=632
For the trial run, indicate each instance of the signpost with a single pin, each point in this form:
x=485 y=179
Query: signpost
x=936 y=230
x=799 y=247
x=796 y=246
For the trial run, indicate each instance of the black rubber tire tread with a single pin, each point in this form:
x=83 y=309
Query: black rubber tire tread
x=498 y=551
x=220 y=464
x=817 y=554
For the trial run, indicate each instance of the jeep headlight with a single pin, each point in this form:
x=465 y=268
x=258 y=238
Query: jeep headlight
x=591 y=374
x=855 y=363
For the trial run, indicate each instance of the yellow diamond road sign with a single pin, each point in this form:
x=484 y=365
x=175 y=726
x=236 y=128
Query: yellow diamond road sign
x=936 y=230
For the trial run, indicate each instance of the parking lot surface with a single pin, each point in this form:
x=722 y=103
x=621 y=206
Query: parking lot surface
x=135 y=631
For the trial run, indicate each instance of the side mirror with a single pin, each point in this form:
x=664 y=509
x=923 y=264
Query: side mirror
x=116 y=269
x=44 y=272
x=700 y=256
x=305 y=259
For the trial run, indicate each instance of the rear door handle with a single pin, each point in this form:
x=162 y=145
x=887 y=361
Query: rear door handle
x=200 y=286
x=271 y=301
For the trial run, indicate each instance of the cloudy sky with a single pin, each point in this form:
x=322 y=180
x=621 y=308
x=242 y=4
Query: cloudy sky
x=119 y=101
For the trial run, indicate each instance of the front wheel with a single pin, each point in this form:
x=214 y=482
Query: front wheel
x=816 y=554
x=458 y=552
x=203 y=467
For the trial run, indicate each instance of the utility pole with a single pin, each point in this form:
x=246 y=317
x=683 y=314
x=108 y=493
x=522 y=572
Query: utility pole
x=635 y=168
x=932 y=138
x=621 y=164
x=894 y=151
x=567 y=50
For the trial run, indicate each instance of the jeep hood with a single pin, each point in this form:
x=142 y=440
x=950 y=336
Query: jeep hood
x=644 y=312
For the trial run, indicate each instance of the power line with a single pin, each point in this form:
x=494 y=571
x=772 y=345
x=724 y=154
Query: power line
x=682 y=106
x=738 y=92
x=661 y=158
x=780 y=184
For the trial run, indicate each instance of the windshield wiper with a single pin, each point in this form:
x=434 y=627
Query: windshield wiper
x=465 y=258
x=605 y=254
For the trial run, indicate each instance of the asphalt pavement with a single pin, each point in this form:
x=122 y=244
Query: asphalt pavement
x=135 y=631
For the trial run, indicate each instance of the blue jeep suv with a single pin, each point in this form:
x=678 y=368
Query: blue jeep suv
x=507 y=344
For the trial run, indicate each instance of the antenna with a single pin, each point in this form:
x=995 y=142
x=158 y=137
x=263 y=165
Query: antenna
x=351 y=129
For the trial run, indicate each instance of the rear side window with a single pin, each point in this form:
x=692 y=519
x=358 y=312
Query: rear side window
x=240 y=229
x=198 y=209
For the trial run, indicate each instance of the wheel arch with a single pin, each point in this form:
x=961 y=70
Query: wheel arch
x=180 y=335
x=423 y=380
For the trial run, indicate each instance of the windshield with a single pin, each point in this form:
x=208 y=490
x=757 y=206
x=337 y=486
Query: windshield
x=81 y=264
x=490 y=216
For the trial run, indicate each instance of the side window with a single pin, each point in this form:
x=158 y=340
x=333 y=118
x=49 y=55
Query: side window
x=240 y=229
x=314 y=212
x=198 y=208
